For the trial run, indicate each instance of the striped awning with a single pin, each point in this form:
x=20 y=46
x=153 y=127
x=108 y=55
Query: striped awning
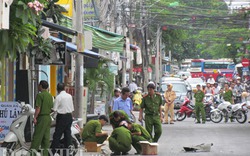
x=102 y=39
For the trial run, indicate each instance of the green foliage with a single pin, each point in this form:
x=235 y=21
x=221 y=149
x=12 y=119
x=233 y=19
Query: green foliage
x=21 y=32
x=54 y=11
x=200 y=28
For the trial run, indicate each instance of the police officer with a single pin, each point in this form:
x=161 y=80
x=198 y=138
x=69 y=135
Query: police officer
x=199 y=106
x=153 y=119
x=139 y=133
x=116 y=117
x=120 y=140
x=92 y=131
x=42 y=119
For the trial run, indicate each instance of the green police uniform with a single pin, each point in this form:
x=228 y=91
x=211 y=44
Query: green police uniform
x=120 y=140
x=227 y=96
x=199 y=106
x=41 y=135
x=152 y=116
x=90 y=130
x=145 y=136
x=114 y=123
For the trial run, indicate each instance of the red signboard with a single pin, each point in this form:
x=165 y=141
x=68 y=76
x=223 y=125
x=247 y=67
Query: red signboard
x=245 y=62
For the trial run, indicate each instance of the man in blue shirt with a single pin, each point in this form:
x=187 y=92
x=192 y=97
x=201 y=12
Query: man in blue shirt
x=124 y=102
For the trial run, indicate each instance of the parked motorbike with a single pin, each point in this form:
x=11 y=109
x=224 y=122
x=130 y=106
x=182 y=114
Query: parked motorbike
x=17 y=142
x=227 y=110
x=186 y=110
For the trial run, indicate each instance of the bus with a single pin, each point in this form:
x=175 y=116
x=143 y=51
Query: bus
x=216 y=68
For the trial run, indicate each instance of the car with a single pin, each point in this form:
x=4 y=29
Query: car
x=186 y=73
x=170 y=79
x=194 y=81
x=181 y=91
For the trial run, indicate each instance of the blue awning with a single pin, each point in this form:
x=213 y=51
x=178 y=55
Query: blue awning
x=73 y=47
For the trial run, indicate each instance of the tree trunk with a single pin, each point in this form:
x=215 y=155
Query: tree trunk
x=92 y=103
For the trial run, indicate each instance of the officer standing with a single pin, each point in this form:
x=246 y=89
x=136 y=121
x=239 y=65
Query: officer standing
x=92 y=131
x=199 y=106
x=120 y=140
x=139 y=133
x=153 y=118
x=64 y=107
x=42 y=119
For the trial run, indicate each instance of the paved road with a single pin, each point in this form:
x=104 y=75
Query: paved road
x=229 y=139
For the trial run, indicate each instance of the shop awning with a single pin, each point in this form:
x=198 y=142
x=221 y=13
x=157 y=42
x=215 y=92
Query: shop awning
x=102 y=39
x=73 y=47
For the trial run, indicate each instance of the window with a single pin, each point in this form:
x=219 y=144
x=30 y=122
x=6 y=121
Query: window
x=196 y=64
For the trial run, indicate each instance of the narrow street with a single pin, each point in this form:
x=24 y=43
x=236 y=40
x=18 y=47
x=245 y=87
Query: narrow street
x=229 y=139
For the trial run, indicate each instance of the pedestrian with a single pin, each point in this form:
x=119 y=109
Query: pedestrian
x=92 y=131
x=117 y=93
x=199 y=106
x=124 y=103
x=120 y=140
x=116 y=117
x=151 y=103
x=138 y=133
x=64 y=107
x=42 y=119
x=169 y=96
x=132 y=86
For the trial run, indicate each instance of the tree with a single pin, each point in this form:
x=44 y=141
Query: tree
x=24 y=34
x=99 y=77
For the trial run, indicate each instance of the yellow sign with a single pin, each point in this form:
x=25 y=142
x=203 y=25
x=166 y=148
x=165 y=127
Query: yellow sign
x=88 y=8
x=68 y=5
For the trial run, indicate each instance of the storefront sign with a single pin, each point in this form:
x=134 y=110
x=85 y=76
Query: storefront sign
x=8 y=112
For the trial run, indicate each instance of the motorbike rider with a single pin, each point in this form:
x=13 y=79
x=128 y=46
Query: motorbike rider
x=239 y=89
x=216 y=88
x=209 y=88
x=247 y=86
x=222 y=80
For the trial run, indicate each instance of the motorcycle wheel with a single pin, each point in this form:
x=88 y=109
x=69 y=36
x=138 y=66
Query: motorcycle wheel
x=180 y=116
x=9 y=146
x=240 y=116
x=73 y=149
x=216 y=117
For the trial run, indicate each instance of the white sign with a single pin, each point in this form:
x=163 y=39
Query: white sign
x=8 y=112
x=5 y=13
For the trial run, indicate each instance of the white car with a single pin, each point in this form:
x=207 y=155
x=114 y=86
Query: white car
x=195 y=81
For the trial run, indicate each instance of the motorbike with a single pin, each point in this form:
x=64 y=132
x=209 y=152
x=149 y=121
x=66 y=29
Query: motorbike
x=227 y=110
x=18 y=139
x=208 y=104
x=186 y=110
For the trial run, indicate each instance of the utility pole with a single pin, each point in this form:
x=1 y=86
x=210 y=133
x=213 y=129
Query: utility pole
x=157 y=56
x=144 y=48
x=79 y=75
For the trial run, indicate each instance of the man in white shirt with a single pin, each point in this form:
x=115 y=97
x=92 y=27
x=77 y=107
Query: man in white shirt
x=211 y=80
x=132 y=86
x=64 y=107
